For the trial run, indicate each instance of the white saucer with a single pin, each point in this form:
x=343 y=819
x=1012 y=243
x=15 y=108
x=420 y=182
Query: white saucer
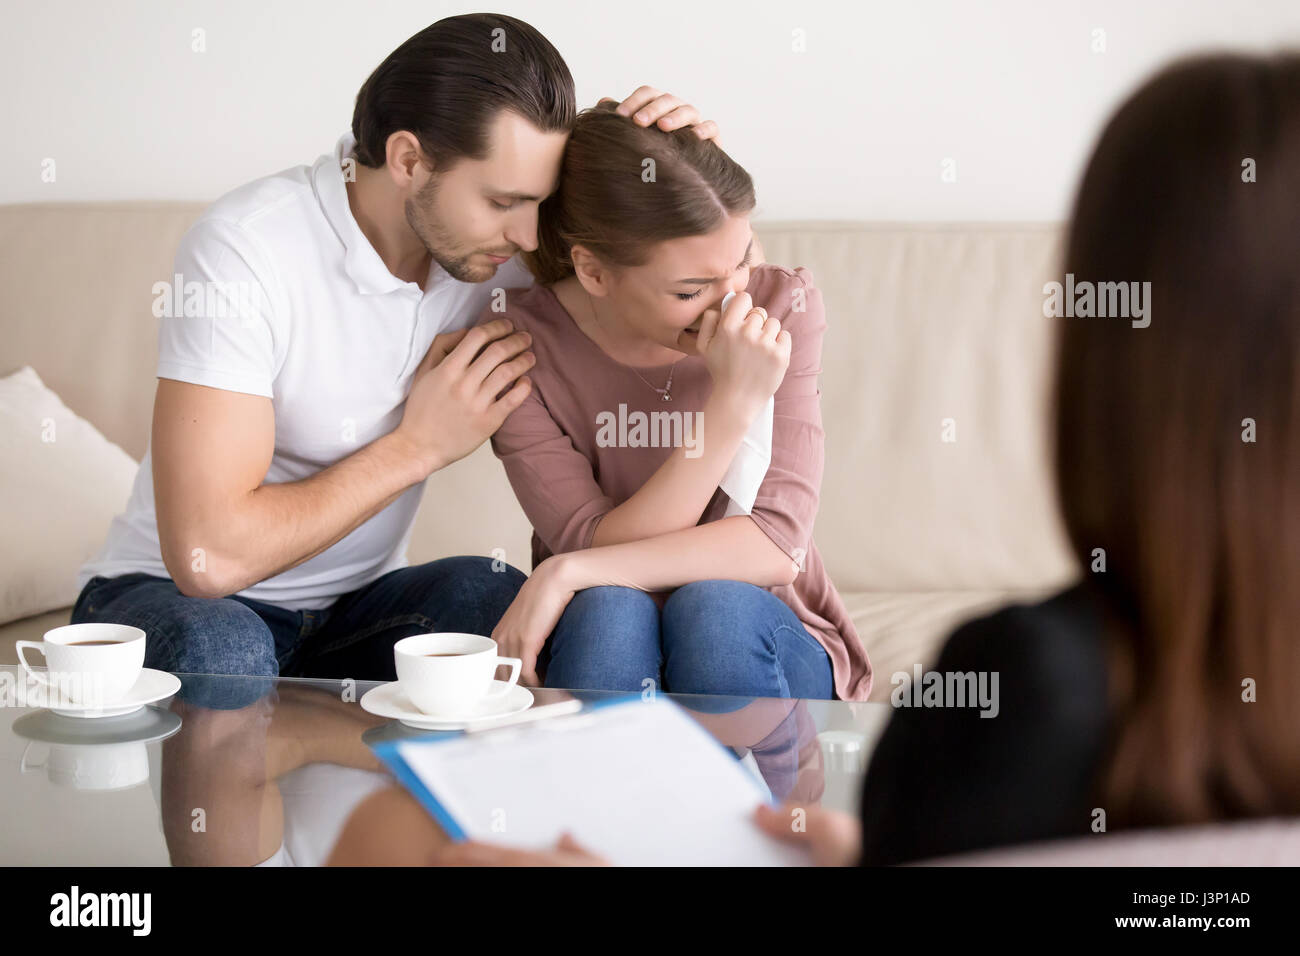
x=387 y=700
x=145 y=726
x=151 y=686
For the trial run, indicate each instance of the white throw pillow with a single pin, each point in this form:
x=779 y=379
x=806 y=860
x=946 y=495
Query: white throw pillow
x=61 y=484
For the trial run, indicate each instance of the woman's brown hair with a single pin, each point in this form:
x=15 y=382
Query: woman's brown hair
x=1178 y=443
x=625 y=187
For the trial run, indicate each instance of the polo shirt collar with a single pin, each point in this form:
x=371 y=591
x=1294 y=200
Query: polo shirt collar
x=361 y=262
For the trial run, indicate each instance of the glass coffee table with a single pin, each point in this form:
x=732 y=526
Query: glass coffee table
x=238 y=771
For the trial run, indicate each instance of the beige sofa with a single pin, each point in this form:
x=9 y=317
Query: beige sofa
x=926 y=323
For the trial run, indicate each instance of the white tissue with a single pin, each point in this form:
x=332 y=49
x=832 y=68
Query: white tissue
x=749 y=466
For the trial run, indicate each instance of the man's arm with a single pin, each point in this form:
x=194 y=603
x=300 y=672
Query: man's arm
x=221 y=529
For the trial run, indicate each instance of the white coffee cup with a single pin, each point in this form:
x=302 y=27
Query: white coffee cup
x=91 y=674
x=450 y=675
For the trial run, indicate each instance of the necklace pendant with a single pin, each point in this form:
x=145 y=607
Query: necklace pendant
x=667 y=397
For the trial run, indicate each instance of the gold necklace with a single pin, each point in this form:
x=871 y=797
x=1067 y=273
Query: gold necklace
x=665 y=393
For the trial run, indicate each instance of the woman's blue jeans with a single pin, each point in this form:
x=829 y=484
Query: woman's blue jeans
x=712 y=637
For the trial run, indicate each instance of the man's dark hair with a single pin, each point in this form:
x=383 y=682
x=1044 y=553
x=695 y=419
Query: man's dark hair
x=447 y=83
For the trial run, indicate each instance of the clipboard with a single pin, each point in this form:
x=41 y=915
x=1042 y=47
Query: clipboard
x=638 y=782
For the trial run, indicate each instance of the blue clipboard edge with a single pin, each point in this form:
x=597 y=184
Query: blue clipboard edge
x=388 y=752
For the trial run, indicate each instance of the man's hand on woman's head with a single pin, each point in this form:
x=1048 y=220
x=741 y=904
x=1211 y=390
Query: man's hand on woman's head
x=648 y=105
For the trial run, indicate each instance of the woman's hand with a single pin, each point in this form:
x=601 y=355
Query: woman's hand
x=567 y=852
x=832 y=838
x=531 y=617
x=745 y=350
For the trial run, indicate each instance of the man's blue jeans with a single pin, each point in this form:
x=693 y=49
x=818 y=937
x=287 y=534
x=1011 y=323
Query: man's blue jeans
x=712 y=637
x=352 y=638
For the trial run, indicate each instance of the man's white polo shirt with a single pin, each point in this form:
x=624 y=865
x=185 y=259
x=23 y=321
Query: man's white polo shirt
x=277 y=292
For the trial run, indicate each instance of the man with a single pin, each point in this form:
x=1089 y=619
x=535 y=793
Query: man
x=325 y=362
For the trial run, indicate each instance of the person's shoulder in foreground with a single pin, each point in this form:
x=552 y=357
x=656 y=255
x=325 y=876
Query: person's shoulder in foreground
x=1016 y=765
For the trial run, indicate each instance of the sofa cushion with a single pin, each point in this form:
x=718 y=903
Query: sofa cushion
x=904 y=628
x=61 y=483
x=29 y=629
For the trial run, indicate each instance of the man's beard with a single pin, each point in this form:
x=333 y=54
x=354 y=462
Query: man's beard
x=438 y=241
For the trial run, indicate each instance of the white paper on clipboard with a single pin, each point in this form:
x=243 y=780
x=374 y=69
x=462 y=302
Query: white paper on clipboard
x=639 y=783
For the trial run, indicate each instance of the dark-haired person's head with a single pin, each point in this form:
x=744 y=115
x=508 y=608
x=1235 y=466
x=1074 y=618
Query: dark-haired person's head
x=655 y=223
x=469 y=118
x=1178 y=441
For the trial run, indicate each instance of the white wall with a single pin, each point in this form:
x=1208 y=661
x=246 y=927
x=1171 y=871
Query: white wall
x=856 y=127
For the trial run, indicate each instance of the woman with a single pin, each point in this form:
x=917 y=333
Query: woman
x=646 y=573
x=1165 y=689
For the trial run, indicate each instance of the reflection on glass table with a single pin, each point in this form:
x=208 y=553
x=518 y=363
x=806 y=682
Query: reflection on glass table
x=242 y=771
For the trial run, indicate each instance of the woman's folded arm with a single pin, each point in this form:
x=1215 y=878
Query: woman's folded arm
x=732 y=548
x=675 y=496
